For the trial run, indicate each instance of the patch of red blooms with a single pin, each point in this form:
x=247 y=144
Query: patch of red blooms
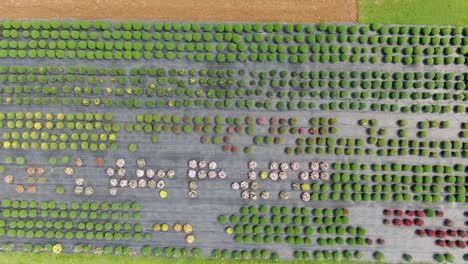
x=205 y=139
x=420 y=233
x=440 y=213
x=441 y=243
x=452 y=233
x=397 y=222
x=408 y=222
x=430 y=233
x=398 y=212
x=420 y=213
x=462 y=233
x=461 y=244
x=410 y=212
x=441 y=233
x=418 y=222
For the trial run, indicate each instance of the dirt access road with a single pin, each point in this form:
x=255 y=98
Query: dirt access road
x=184 y=10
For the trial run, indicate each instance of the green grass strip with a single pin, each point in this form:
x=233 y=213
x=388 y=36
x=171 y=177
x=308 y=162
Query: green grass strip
x=431 y=12
x=49 y=258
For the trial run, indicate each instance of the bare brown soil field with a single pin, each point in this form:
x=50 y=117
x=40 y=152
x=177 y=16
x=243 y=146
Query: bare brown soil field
x=184 y=10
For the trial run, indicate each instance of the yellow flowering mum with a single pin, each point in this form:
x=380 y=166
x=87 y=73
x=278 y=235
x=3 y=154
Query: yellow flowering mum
x=156 y=227
x=188 y=228
x=164 y=227
x=57 y=248
x=190 y=239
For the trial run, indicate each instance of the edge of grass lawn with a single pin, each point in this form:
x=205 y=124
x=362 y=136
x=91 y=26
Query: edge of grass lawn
x=429 y=12
x=49 y=258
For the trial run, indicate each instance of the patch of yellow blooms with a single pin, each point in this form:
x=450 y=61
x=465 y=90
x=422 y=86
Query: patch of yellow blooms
x=57 y=248
x=187 y=228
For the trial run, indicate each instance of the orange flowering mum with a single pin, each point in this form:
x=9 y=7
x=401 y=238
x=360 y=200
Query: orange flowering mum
x=32 y=189
x=19 y=188
x=31 y=170
x=99 y=161
x=78 y=162
x=40 y=171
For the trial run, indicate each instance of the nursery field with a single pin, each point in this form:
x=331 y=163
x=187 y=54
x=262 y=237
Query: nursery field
x=219 y=142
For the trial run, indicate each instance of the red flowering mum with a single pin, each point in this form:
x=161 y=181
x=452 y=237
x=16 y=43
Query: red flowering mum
x=408 y=222
x=398 y=212
x=239 y=129
x=452 y=233
x=420 y=232
x=227 y=139
x=430 y=232
x=441 y=233
x=398 y=222
x=441 y=243
x=387 y=212
x=420 y=213
x=451 y=243
x=461 y=244
x=419 y=222
x=462 y=233
x=440 y=213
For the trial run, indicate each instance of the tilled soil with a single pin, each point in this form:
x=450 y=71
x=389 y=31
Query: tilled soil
x=184 y=10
